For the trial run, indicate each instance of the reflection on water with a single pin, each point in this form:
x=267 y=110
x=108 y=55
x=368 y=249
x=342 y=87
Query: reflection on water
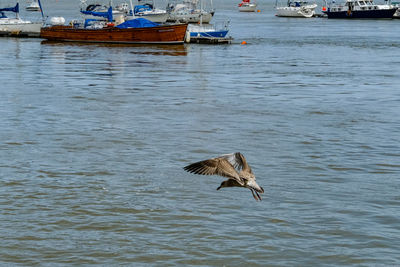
x=156 y=49
x=94 y=138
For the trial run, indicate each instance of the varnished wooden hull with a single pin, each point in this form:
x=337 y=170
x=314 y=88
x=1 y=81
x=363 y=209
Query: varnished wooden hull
x=165 y=34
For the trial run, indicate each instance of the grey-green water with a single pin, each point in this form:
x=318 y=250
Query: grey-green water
x=93 y=140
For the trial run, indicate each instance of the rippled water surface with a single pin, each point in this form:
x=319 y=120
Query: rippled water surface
x=94 y=137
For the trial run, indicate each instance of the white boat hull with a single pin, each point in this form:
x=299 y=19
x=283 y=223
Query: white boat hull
x=34 y=6
x=190 y=18
x=248 y=8
x=20 y=29
x=158 y=18
x=302 y=12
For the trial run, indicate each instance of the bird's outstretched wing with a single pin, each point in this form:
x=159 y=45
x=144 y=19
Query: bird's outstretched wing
x=215 y=166
x=238 y=161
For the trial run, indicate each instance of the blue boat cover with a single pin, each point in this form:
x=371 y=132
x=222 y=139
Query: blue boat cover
x=137 y=23
x=11 y=9
x=107 y=14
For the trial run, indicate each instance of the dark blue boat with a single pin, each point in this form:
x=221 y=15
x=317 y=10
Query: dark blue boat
x=360 y=9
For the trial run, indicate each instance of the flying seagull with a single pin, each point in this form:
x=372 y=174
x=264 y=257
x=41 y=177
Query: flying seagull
x=233 y=166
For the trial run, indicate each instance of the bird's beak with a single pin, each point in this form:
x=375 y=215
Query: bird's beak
x=256 y=195
x=255 y=187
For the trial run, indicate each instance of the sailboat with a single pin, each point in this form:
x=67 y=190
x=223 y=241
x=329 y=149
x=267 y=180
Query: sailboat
x=148 y=11
x=33 y=6
x=296 y=8
x=247 y=6
x=16 y=26
x=206 y=33
x=188 y=11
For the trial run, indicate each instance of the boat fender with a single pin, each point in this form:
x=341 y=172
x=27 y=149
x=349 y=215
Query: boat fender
x=57 y=20
x=187 y=37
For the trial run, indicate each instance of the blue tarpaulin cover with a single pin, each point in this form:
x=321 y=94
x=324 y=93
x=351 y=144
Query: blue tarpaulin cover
x=137 y=23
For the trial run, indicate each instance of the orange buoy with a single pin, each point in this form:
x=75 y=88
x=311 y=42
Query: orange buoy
x=244 y=42
x=258 y=11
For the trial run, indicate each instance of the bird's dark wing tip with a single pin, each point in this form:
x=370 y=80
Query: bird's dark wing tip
x=188 y=168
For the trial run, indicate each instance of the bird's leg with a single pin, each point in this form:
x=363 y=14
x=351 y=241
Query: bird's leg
x=255 y=197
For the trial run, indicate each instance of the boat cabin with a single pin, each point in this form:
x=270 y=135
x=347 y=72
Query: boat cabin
x=297 y=3
x=357 y=5
x=361 y=5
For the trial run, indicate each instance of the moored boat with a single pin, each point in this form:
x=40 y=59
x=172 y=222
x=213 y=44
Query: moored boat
x=247 y=6
x=189 y=11
x=360 y=9
x=396 y=15
x=206 y=30
x=148 y=11
x=17 y=26
x=208 y=33
x=296 y=9
x=33 y=6
x=137 y=31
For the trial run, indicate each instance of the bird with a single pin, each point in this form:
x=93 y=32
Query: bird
x=232 y=166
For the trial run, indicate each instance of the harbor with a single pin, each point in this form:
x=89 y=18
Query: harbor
x=95 y=138
x=104 y=23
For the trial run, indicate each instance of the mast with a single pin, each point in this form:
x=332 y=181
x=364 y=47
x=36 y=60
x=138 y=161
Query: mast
x=17 y=12
x=201 y=12
x=130 y=1
x=41 y=9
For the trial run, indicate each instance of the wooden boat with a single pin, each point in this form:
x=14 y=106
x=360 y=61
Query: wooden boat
x=165 y=34
x=136 y=31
